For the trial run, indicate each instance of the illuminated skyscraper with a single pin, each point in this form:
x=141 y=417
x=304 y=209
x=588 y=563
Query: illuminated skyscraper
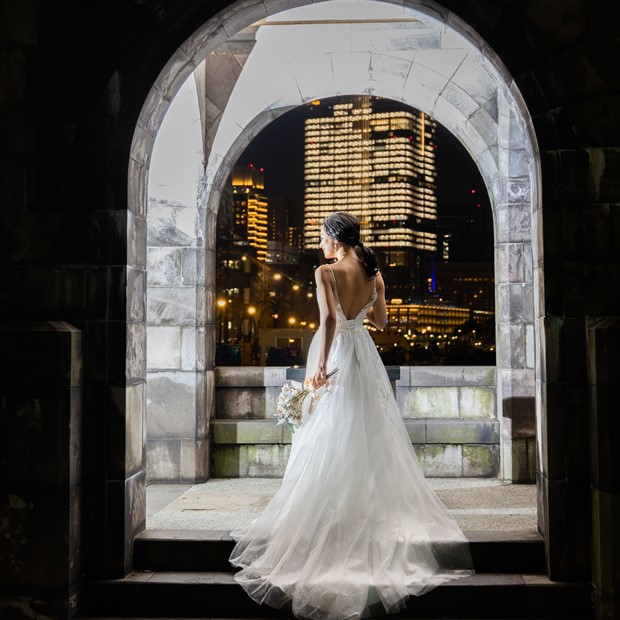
x=367 y=158
x=250 y=208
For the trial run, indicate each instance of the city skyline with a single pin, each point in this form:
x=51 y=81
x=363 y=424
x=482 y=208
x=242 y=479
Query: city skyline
x=461 y=194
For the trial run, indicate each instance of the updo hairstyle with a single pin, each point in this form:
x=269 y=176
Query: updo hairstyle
x=345 y=228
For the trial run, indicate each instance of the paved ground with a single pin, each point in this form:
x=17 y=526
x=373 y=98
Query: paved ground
x=224 y=504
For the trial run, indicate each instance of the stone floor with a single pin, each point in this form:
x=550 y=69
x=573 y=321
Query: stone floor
x=229 y=503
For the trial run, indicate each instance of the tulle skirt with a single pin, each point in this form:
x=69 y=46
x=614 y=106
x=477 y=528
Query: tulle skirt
x=354 y=522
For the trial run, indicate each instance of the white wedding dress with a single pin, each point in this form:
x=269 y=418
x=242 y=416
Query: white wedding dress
x=354 y=522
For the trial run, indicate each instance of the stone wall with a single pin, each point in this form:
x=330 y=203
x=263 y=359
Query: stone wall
x=450 y=414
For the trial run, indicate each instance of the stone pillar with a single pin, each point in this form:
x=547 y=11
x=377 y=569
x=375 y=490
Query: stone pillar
x=40 y=461
x=181 y=300
x=603 y=344
x=515 y=304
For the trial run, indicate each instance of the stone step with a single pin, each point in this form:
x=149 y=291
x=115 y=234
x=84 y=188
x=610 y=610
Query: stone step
x=216 y=594
x=191 y=550
x=446 y=447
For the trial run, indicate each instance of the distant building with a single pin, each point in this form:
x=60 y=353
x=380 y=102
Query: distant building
x=282 y=253
x=250 y=225
x=366 y=157
x=470 y=285
x=433 y=317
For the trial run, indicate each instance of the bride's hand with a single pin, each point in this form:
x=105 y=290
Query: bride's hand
x=319 y=378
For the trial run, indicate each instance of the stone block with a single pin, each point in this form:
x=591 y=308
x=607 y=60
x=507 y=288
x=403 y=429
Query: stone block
x=194 y=460
x=163 y=347
x=134 y=428
x=171 y=405
x=517 y=382
x=513 y=222
x=416 y=429
x=240 y=402
x=473 y=77
x=240 y=376
x=443 y=461
x=443 y=61
x=136 y=240
x=229 y=462
x=530 y=346
x=163 y=460
x=164 y=266
x=170 y=224
x=452 y=376
x=267 y=461
x=271 y=401
x=135 y=351
x=171 y=306
x=274 y=376
x=480 y=461
x=462 y=432
x=476 y=402
x=521 y=411
x=188 y=357
x=405 y=378
x=432 y=402
x=246 y=432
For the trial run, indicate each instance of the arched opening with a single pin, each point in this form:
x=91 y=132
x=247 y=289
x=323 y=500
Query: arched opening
x=442 y=72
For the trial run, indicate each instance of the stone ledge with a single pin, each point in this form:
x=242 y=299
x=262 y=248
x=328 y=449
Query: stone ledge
x=451 y=376
x=237 y=432
x=423 y=431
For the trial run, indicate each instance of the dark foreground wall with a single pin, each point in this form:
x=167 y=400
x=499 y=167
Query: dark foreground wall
x=73 y=77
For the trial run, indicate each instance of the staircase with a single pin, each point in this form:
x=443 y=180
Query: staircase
x=186 y=574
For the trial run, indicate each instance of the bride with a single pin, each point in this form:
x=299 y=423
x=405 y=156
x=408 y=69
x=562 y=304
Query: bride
x=354 y=528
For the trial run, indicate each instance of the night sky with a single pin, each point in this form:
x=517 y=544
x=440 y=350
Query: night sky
x=279 y=150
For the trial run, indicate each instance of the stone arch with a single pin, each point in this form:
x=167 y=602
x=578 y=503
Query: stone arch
x=449 y=73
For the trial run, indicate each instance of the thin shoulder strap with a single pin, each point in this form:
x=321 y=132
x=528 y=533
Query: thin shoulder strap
x=333 y=274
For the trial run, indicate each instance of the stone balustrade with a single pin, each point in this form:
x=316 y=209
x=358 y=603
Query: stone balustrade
x=450 y=415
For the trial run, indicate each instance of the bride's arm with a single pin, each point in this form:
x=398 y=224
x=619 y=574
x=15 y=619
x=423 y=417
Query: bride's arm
x=377 y=314
x=327 y=307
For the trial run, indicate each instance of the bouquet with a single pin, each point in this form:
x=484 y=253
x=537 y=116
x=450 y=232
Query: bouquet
x=289 y=410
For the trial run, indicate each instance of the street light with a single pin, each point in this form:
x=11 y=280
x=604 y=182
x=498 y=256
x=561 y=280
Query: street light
x=221 y=304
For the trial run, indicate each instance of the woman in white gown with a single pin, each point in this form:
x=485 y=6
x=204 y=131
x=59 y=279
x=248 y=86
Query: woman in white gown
x=354 y=522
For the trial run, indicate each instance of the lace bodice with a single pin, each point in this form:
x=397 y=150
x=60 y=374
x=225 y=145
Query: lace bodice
x=347 y=325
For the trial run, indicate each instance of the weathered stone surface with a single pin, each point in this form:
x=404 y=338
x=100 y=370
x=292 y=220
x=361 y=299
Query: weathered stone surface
x=163 y=458
x=171 y=305
x=416 y=430
x=260 y=461
x=462 y=431
x=480 y=461
x=432 y=402
x=164 y=266
x=171 y=405
x=246 y=432
x=445 y=461
x=232 y=403
x=476 y=402
x=452 y=375
x=241 y=376
x=163 y=347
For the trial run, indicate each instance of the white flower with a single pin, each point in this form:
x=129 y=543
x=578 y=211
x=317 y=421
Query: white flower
x=289 y=410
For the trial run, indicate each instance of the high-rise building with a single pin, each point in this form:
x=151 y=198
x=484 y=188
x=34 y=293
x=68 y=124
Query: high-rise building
x=250 y=208
x=365 y=156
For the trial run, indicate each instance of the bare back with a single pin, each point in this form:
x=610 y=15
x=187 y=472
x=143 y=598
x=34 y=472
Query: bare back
x=354 y=286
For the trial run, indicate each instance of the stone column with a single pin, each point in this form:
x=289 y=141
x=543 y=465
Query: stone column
x=515 y=305
x=40 y=461
x=181 y=300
